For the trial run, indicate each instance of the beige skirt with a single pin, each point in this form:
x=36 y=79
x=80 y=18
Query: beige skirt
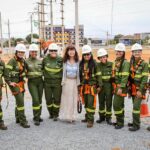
x=69 y=98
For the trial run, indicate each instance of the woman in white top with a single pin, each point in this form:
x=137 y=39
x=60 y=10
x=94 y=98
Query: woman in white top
x=70 y=82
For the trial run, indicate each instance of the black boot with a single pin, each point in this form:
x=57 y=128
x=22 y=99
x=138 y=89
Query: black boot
x=148 y=128
x=25 y=125
x=100 y=120
x=55 y=119
x=17 y=120
x=134 y=128
x=130 y=124
x=41 y=120
x=37 y=123
x=119 y=126
x=109 y=122
x=84 y=120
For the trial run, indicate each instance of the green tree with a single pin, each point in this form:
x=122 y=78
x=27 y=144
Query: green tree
x=117 y=37
x=28 y=37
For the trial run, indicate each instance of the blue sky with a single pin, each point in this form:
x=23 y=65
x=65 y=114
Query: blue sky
x=129 y=16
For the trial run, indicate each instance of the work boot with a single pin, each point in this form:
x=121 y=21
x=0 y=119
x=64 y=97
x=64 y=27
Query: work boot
x=100 y=120
x=118 y=126
x=130 y=124
x=84 y=120
x=41 y=120
x=108 y=120
x=134 y=128
x=89 y=124
x=148 y=128
x=55 y=119
x=37 y=123
x=51 y=117
x=17 y=120
x=114 y=123
x=2 y=126
x=25 y=125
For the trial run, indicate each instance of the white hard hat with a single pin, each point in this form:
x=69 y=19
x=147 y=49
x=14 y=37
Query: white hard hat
x=20 y=47
x=101 y=52
x=33 y=47
x=120 y=47
x=53 y=46
x=86 y=49
x=136 y=47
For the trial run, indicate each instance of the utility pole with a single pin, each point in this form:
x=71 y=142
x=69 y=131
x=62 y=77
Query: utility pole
x=1 y=32
x=62 y=17
x=41 y=19
x=9 y=42
x=107 y=43
x=51 y=18
x=76 y=25
x=31 y=29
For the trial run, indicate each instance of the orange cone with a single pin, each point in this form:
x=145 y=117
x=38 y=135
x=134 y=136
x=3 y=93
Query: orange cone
x=144 y=109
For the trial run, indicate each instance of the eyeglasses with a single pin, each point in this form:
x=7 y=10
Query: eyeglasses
x=52 y=50
x=87 y=54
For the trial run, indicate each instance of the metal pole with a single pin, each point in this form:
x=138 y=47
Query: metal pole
x=76 y=25
x=1 y=32
x=31 y=29
x=62 y=11
x=51 y=16
x=9 y=35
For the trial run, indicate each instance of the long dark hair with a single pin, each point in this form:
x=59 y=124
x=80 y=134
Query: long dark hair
x=122 y=60
x=91 y=65
x=67 y=57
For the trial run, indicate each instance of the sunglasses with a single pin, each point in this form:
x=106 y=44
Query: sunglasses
x=87 y=54
x=52 y=50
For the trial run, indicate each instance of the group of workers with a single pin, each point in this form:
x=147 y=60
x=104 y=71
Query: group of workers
x=112 y=81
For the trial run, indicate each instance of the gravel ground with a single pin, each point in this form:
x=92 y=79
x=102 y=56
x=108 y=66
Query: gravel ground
x=64 y=136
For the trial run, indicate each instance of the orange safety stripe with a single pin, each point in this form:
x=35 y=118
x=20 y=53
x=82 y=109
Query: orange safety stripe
x=21 y=88
x=87 y=89
x=134 y=89
x=118 y=85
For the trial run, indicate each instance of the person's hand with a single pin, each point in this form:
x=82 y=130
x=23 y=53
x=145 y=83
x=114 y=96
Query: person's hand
x=119 y=92
x=13 y=84
x=98 y=90
x=138 y=94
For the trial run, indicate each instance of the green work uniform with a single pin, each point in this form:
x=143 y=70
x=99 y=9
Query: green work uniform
x=140 y=81
x=15 y=72
x=52 y=69
x=35 y=85
x=121 y=67
x=105 y=96
x=89 y=86
x=2 y=67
